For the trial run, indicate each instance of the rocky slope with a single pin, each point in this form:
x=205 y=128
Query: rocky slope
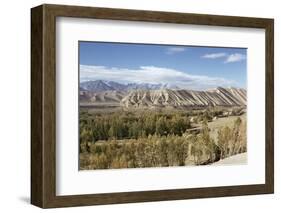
x=101 y=97
x=185 y=98
x=134 y=95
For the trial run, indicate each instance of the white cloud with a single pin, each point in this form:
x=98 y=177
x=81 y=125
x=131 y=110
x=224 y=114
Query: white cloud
x=174 y=50
x=152 y=74
x=214 y=55
x=235 y=58
x=229 y=58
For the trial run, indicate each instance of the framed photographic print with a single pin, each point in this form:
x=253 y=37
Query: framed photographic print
x=136 y=106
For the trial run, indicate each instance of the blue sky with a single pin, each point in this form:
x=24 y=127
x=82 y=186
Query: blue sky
x=190 y=67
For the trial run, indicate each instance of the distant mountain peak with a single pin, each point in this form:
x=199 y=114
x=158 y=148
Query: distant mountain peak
x=95 y=86
x=102 y=85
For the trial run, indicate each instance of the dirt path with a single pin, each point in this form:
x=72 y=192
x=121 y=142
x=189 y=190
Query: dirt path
x=233 y=160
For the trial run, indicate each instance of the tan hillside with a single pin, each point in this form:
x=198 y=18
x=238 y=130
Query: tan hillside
x=185 y=98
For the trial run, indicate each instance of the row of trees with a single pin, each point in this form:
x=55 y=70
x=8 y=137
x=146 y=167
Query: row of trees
x=127 y=125
x=153 y=151
x=166 y=150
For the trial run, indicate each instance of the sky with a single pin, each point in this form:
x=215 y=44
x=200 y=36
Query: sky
x=188 y=67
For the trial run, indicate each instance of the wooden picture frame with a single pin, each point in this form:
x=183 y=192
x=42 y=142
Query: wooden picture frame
x=43 y=105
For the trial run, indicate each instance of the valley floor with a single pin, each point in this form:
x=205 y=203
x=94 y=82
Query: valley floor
x=177 y=139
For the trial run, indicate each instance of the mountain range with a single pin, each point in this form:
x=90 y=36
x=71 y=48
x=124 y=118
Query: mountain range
x=146 y=95
x=101 y=86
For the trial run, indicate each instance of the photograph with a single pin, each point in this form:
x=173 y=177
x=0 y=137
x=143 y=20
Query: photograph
x=161 y=105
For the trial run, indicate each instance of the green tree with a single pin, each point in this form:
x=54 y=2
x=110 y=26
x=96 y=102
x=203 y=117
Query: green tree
x=161 y=128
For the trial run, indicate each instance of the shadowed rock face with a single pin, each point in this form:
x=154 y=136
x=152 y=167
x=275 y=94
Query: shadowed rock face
x=185 y=98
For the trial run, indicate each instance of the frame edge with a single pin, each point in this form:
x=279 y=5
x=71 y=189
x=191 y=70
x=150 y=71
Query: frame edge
x=269 y=122
x=37 y=189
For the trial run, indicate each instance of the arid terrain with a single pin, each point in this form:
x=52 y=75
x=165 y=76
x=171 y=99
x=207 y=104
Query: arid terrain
x=155 y=125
